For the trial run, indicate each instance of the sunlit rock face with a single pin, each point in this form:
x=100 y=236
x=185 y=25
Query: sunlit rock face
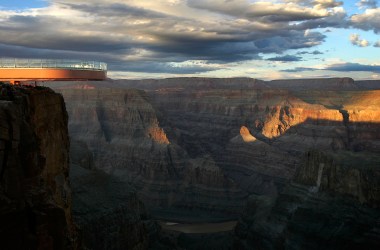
x=35 y=195
x=246 y=135
x=182 y=141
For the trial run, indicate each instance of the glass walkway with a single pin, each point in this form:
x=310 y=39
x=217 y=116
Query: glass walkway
x=51 y=63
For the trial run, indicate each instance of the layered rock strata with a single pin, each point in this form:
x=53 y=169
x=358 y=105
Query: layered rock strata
x=123 y=132
x=181 y=130
x=284 y=122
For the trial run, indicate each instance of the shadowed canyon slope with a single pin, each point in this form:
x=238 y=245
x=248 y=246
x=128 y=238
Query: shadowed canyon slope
x=122 y=130
x=330 y=204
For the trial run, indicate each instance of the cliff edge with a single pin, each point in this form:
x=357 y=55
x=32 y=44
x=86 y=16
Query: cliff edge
x=35 y=196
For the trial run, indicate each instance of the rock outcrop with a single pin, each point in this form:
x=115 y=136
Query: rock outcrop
x=35 y=196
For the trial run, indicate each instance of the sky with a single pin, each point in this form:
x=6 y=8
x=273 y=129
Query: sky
x=202 y=38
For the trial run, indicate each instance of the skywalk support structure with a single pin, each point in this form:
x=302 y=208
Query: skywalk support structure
x=17 y=71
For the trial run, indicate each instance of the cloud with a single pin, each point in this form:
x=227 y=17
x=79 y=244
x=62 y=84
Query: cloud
x=158 y=67
x=340 y=67
x=363 y=4
x=323 y=4
x=377 y=44
x=355 y=40
x=298 y=69
x=353 y=67
x=286 y=58
x=315 y=52
x=145 y=35
x=116 y=9
x=369 y=20
x=268 y=11
x=337 y=18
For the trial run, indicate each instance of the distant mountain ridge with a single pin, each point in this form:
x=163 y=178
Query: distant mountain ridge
x=344 y=83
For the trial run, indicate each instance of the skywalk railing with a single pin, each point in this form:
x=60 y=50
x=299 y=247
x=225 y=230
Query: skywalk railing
x=51 y=63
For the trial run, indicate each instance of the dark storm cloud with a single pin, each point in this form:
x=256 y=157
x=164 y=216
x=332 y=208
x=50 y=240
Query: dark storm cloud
x=238 y=48
x=217 y=51
x=286 y=58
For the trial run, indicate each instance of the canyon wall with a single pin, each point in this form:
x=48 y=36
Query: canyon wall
x=207 y=143
x=283 y=123
x=35 y=195
x=308 y=158
x=123 y=132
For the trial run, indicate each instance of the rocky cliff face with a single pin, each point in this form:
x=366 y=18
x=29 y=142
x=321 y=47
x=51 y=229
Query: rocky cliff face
x=347 y=174
x=330 y=204
x=35 y=196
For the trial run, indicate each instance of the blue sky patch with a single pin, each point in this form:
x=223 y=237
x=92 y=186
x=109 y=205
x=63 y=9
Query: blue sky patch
x=22 y=4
